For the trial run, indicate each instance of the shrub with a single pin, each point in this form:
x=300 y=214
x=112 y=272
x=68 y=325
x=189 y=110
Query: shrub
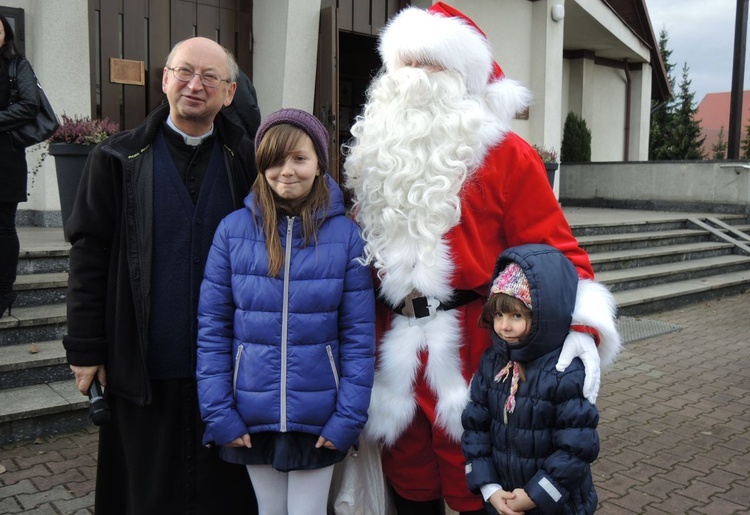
x=576 y=142
x=548 y=155
x=83 y=130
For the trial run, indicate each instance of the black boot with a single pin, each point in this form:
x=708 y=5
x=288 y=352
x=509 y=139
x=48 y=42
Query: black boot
x=6 y=302
x=409 y=507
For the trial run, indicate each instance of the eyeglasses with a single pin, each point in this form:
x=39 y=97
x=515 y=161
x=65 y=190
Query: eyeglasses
x=207 y=79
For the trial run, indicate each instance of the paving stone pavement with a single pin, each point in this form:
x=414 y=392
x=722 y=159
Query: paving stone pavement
x=675 y=428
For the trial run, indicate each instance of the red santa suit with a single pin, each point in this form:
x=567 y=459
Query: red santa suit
x=424 y=364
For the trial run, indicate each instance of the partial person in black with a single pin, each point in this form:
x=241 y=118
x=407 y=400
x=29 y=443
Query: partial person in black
x=244 y=110
x=13 y=169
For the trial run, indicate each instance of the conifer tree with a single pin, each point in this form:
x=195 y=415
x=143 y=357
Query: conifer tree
x=746 y=143
x=576 y=141
x=675 y=134
x=661 y=119
x=719 y=149
x=686 y=130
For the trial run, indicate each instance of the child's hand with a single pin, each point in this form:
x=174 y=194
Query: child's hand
x=521 y=501
x=500 y=501
x=241 y=441
x=322 y=442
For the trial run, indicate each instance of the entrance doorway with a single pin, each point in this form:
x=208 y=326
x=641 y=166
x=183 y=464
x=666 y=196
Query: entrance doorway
x=347 y=62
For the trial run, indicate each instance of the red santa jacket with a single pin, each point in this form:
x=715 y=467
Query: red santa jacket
x=429 y=362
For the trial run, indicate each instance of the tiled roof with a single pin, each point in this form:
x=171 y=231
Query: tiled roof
x=713 y=113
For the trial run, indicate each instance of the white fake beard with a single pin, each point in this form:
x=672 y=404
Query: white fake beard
x=411 y=152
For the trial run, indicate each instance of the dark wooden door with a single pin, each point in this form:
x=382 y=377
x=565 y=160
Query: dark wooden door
x=146 y=30
x=347 y=61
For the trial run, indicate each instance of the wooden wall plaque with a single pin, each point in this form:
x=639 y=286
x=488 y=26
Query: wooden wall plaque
x=125 y=71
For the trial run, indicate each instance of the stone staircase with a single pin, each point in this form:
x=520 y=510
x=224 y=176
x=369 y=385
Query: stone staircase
x=37 y=392
x=661 y=264
x=650 y=265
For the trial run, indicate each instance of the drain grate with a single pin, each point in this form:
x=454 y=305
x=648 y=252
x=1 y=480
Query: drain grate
x=636 y=329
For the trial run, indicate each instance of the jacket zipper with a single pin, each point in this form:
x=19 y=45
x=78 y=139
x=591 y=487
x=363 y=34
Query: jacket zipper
x=285 y=319
x=333 y=366
x=228 y=168
x=509 y=428
x=236 y=369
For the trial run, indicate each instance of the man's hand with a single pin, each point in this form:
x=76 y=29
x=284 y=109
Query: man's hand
x=85 y=375
x=500 y=501
x=581 y=345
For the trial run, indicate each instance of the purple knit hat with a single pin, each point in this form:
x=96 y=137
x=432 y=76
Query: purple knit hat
x=302 y=120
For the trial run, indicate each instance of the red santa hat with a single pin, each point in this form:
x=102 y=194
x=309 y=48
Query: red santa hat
x=444 y=36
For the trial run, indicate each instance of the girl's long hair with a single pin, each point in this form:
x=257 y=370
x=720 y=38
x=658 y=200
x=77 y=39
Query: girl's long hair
x=275 y=147
x=8 y=51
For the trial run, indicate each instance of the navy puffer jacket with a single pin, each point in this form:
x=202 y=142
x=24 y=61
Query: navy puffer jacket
x=288 y=353
x=550 y=439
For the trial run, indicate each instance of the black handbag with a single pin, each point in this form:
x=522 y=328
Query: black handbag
x=40 y=128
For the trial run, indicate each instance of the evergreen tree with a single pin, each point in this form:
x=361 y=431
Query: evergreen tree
x=675 y=135
x=661 y=119
x=746 y=143
x=719 y=149
x=576 y=141
x=686 y=130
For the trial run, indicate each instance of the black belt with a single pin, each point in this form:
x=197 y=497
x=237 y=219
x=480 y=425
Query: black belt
x=422 y=309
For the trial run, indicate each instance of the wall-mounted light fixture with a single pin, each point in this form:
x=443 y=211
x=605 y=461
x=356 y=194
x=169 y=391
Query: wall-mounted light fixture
x=557 y=12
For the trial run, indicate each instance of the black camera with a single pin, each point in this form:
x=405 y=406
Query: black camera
x=98 y=407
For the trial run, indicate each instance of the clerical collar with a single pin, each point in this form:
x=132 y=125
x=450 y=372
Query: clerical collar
x=193 y=141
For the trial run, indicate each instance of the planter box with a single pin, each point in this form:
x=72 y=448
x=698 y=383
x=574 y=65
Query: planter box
x=551 y=169
x=69 y=162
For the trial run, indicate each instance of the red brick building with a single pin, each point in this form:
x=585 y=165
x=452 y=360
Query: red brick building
x=713 y=113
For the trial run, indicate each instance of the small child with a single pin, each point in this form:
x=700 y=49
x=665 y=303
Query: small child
x=529 y=433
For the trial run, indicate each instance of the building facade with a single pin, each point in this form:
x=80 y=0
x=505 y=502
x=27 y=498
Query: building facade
x=598 y=59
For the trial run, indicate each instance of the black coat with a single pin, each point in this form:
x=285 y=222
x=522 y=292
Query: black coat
x=13 y=172
x=549 y=440
x=110 y=230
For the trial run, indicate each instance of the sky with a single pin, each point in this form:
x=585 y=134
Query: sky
x=701 y=34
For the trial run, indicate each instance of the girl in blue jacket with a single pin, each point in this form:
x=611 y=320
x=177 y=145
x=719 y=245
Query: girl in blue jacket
x=286 y=324
x=529 y=432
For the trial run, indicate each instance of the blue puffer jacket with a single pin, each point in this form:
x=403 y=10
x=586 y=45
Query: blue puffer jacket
x=288 y=353
x=550 y=439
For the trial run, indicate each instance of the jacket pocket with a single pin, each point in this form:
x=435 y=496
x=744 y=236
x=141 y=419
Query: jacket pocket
x=332 y=362
x=237 y=359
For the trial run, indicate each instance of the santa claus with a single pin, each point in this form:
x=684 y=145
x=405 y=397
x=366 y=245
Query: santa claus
x=441 y=187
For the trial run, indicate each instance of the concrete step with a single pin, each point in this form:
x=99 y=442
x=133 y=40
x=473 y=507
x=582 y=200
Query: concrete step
x=44 y=260
x=675 y=223
x=40 y=288
x=626 y=259
x=641 y=277
x=648 y=239
x=665 y=222
x=33 y=363
x=640 y=301
x=33 y=324
x=44 y=409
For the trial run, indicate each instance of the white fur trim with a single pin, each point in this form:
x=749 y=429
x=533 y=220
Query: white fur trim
x=407 y=271
x=596 y=307
x=393 y=402
x=436 y=39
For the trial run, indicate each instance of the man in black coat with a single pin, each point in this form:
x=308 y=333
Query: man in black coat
x=149 y=202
